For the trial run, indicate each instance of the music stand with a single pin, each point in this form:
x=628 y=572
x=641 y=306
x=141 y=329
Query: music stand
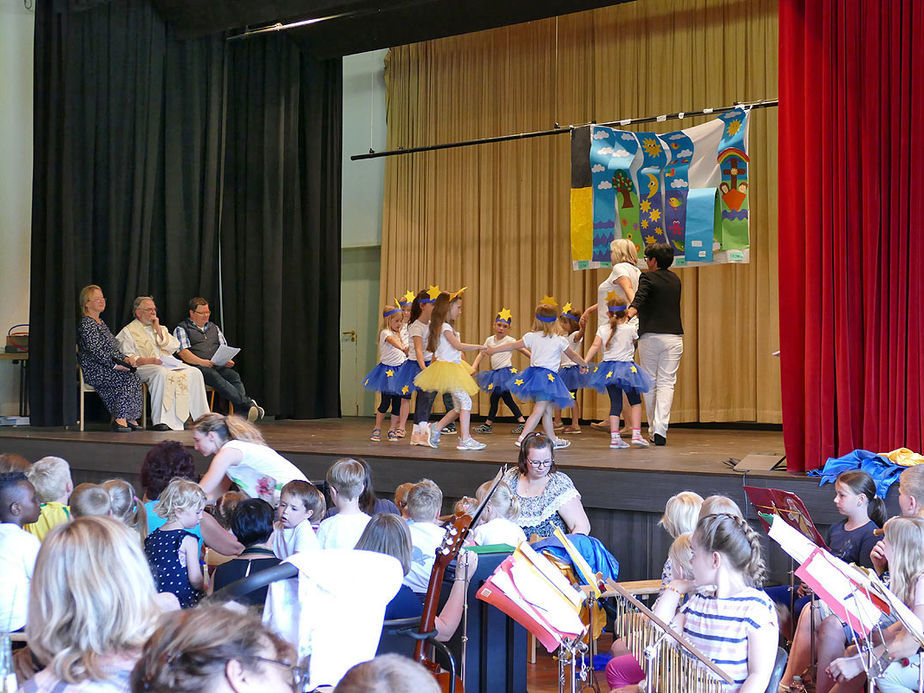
x=614 y=588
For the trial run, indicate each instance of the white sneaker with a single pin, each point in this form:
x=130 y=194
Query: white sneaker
x=470 y=444
x=433 y=436
x=640 y=442
x=561 y=443
x=618 y=444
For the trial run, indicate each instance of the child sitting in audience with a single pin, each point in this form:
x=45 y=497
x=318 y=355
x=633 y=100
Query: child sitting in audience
x=680 y=515
x=345 y=479
x=13 y=462
x=172 y=550
x=19 y=505
x=401 y=498
x=497 y=526
x=51 y=477
x=126 y=506
x=224 y=507
x=466 y=505
x=715 y=505
x=424 y=503
x=300 y=504
x=252 y=524
x=90 y=500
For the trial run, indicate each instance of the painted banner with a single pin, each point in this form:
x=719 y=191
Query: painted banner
x=688 y=188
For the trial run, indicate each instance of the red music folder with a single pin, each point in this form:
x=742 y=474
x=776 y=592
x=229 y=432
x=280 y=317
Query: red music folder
x=788 y=507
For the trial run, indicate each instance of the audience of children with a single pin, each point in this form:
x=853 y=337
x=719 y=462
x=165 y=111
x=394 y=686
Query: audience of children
x=301 y=504
x=90 y=500
x=424 y=505
x=19 y=506
x=369 y=503
x=681 y=512
x=126 y=507
x=252 y=524
x=172 y=550
x=51 y=477
x=345 y=481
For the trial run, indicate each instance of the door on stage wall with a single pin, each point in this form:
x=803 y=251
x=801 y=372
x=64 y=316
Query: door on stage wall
x=359 y=325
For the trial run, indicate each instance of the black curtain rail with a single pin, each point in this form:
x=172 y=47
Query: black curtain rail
x=558 y=130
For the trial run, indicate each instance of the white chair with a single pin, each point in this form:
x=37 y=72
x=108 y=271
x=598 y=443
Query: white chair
x=85 y=388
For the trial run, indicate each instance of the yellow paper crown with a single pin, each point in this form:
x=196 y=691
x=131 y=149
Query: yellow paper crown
x=566 y=308
x=548 y=301
x=433 y=292
x=505 y=315
x=611 y=296
x=408 y=296
x=455 y=294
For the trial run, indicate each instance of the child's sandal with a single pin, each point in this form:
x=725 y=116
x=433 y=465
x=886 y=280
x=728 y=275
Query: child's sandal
x=376 y=435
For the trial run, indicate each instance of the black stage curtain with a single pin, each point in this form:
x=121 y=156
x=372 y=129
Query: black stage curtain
x=131 y=125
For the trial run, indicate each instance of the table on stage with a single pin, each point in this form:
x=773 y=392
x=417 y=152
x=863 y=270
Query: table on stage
x=22 y=358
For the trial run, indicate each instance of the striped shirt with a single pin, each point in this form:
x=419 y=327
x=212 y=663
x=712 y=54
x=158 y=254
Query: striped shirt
x=719 y=627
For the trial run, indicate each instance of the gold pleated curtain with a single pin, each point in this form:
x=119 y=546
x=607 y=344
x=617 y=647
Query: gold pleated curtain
x=495 y=217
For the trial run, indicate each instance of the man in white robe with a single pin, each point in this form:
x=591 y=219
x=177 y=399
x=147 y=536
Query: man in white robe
x=177 y=394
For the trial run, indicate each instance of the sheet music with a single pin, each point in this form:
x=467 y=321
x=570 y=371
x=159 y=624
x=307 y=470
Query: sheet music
x=171 y=362
x=223 y=354
x=790 y=540
x=835 y=582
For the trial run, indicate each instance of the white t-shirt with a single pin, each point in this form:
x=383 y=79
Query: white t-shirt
x=342 y=531
x=18 y=550
x=418 y=329
x=502 y=359
x=389 y=354
x=301 y=537
x=622 y=347
x=257 y=463
x=574 y=341
x=622 y=269
x=500 y=530
x=425 y=538
x=545 y=351
x=446 y=351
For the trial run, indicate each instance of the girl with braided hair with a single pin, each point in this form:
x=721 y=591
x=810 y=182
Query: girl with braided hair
x=727 y=617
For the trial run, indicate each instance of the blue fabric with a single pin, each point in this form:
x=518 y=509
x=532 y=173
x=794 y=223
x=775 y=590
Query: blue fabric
x=537 y=384
x=884 y=472
x=626 y=375
x=572 y=377
x=407 y=371
x=592 y=550
x=499 y=380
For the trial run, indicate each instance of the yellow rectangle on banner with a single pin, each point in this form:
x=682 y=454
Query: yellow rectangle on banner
x=582 y=224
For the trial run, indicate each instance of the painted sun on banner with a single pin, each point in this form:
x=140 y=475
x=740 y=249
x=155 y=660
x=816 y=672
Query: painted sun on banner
x=688 y=188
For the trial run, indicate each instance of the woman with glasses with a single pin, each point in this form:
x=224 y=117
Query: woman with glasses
x=216 y=649
x=547 y=496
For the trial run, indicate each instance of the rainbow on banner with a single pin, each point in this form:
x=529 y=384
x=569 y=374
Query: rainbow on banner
x=688 y=188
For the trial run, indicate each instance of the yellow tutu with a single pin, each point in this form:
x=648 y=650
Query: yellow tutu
x=445 y=376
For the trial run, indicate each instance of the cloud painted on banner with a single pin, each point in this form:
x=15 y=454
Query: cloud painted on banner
x=620 y=152
x=680 y=184
x=597 y=168
x=685 y=153
x=605 y=150
x=604 y=185
x=677 y=136
x=628 y=136
x=601 y=135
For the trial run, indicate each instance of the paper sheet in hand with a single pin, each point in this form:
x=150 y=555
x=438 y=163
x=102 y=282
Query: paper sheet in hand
x=223 y=354
x=171 y=362
x=836 y=583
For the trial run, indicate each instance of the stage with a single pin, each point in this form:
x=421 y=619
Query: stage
x=624 y=491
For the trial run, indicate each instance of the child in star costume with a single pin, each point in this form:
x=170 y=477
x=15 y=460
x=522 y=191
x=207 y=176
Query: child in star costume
x=540 y=382
x=618 y=373
x=448 y=372
x=499 y=380
x=384 y=377
x=568 y=370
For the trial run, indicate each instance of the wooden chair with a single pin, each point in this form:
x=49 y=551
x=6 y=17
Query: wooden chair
x=210 y=391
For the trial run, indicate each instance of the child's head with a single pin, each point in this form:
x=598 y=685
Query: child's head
x=855 y=490
x=713 y=505
x=681 y=513
x=392 y=318
x=570 y=320
x=252 y=521
x=616 y=309
x=125 y=506
x=387 y=533
x=424 y=501
x=19 y=503
x=224 y=507
x=11 y=462
x=911 y=491
x=422 y=306
x=401 y=497
x=406 y=303
x=727 y=541
x=681 y=557
x=346 y=478
x=502 y=504
x=51 y=477
x=464 y=506
x=904 y=550
x=299 y=501
x=182 y=501
x=502 y=323
x=90 y=500
x=546 y=319
x=444 y=310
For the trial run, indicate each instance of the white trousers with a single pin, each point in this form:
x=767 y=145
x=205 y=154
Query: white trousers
x=899 y=679
x=660 y=357
x=175 y=395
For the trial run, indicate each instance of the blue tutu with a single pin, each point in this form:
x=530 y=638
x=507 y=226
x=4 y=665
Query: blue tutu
x=626 y=375
x=384 y=379
x=406 y=374
x=498 y=380
x=572 y=377
x=537 y=384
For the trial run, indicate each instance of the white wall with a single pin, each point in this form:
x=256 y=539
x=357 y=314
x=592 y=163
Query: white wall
x=363 y=192
x=16 y=31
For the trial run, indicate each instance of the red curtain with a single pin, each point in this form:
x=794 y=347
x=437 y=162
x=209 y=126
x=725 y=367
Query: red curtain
x=851 y=226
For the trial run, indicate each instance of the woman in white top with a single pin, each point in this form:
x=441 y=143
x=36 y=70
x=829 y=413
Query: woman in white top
x=242 y=457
